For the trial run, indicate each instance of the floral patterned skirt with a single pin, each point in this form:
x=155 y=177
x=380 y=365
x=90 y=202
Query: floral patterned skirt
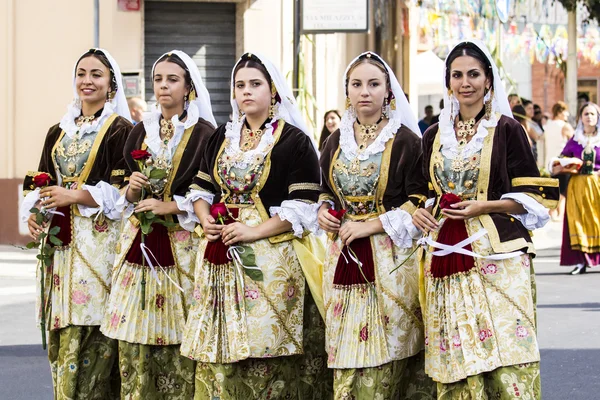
x=402 y=379
x=482 y=319
x=162 y=320
x=505 y=383
x=154 y=372
x=83 y=363
x=300 y=377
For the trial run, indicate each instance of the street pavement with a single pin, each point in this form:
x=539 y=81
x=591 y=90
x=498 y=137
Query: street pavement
x=568 y=326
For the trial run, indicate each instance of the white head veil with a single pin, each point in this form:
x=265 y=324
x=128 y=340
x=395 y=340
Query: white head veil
x=403 y=112
x=286 y=108
x=499 y=101
x=202 y=100
x=117 y=105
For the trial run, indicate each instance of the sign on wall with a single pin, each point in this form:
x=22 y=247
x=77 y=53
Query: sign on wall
x=330 y=16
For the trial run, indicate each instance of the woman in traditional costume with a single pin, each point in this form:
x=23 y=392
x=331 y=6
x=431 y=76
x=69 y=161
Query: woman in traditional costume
x=78 y=156
x=372 y=183
x=581 y=231
x=153 y=274
x=479 y=289
x=253 y=326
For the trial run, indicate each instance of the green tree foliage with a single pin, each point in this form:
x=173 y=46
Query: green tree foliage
x=592 y=6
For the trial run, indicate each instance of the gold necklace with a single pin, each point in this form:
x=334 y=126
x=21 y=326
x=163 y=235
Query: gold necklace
x=251 y=138
x=84 y=119
x=166 y=129
x=366 y=132
x=464 y=130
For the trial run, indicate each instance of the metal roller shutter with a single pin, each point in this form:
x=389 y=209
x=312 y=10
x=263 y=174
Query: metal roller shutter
x=205 y=31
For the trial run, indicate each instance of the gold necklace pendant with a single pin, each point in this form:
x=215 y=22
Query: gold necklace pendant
x=166 y=129
x=250 y=138
x=466 y=128
x=84 y=119
x=366 y=132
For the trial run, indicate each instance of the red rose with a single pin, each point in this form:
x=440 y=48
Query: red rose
x=42 y=179
x=448 y=199
x=339 y=214
x=140 y=154
x=219 y=212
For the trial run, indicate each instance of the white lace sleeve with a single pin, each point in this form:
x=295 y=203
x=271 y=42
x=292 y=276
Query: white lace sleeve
x=189 y=220
x=429 y=202
x=124 y=206
x=28 y=203
x=398 y=225
x=536 y=216
x=106 y=196
x=301 y=215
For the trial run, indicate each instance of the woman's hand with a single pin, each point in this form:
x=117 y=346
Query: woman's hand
x=137 y=181
x=424 y=221
x=238 y=232
x=328 y=222
x=34 y=228
x=353 y=230
x=158 y=207
x=57 y=196
x=465 y=210
x=212 y=231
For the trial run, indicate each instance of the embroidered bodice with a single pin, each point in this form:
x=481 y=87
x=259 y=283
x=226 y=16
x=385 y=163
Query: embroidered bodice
x=239 y=179
x=356 y=181
x=72 y=154
x=458 y=175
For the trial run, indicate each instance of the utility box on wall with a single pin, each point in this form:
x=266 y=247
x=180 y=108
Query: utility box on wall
x=133 y=83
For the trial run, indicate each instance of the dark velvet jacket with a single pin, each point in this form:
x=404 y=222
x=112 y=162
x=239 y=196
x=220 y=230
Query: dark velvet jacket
x=401 y=183
x=291 y=171
x=186 y=159
x=101 y=161
x=507 y=166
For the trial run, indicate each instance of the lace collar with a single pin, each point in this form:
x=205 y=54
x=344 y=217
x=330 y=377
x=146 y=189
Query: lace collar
x=67 y=123
x=151 y=122
x=348 y=142
x=584 y=140
x=450 y=144
x=241 y=159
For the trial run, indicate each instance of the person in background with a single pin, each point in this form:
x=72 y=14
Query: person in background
x=436 y=118
x=582 y=98
x=426 y=122
x=331 y=122
x=531 y=132
x=519 y=114
x=137 y=107
x=536 y=126
x=557 y=132
x=581 y=230
x=513 y=100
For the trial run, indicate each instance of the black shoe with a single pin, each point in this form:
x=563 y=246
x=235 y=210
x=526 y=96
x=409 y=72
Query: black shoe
x=578 y=270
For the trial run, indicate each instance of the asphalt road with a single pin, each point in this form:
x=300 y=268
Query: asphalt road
x=568 y=328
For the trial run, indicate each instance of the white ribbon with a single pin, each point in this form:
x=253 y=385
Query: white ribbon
x=143 y=247
x=459 y=248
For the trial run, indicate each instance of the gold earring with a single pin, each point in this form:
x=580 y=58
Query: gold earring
x=272 y=108
x=488 y=105
x=393 y=104
x=348 y=104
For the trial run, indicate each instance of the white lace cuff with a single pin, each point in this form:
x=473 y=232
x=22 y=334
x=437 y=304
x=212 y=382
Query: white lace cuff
x=188 y=220
x=301 y=215
x=536 y=216
x=28 y=203
x=122 y=205
x=429 y=202
x=399 y=227
x=106 y=197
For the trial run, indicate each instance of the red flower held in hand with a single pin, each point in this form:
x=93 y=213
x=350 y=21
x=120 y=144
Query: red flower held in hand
x=42 y=179
x=140 y=155
x=339 y=214
x=448 y=199
x=219 y=212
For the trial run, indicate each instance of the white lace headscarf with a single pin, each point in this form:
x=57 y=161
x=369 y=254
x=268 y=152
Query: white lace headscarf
x=117 y=105
x=403 y=114
x=201 y=104
x=451 y=108
x=579 y=134
x=285 y=108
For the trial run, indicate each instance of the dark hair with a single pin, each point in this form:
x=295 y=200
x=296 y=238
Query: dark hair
x=520 y=114
x=583 y=96
x=429 y=106
x=325 y=132
x=249 y=60
x=471 y=50
x=174 y=58
x=537 y=107
x=525 y=102
x=99 y=55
